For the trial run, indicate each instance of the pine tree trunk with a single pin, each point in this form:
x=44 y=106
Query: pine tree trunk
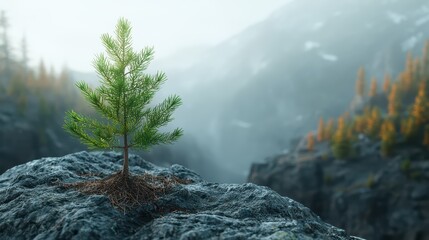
x=125 y=171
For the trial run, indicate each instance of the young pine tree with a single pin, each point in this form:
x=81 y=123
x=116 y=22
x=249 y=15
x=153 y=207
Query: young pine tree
x=421 y=108
x=394 y=102
x=373 y=88
x=310 y=141
x=373 y=122
x=122 y=99
x=329 y=129
x=388 y=137
x=341 y=144
x=409 y=129
x=359 y=124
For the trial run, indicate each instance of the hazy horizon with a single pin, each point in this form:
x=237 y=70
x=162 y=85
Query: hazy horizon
x=68 y=34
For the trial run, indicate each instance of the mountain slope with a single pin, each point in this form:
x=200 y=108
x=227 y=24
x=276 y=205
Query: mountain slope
x=247 y=96
x=369 y=196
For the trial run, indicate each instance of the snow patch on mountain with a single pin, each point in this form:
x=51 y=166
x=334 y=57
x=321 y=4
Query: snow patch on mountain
x=240 y=123
x=310 y=45
x=328 y=57
x=425 y=8
x=411 y=42
x=318 y=25
x=422 y=20
x=396 y=17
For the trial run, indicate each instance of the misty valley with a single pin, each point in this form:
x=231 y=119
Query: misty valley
x=312 y=123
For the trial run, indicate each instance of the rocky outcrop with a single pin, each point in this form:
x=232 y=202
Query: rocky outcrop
x=368 y=196
x=34 y=206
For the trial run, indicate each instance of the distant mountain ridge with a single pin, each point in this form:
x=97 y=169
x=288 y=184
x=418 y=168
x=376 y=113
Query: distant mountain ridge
x=271 y=82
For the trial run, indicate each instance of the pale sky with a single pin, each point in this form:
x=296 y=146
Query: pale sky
x=68 y=32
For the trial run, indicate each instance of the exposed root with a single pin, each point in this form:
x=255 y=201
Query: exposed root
x=127 y=192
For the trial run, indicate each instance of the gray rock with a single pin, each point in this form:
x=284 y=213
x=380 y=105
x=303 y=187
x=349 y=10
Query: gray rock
x=33 y=206
x=367 y=196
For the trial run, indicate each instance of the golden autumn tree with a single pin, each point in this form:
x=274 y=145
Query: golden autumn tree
x=373 y=88
x=329 y=128
x=409 y=128
x=373 y=122
x=341 y=127
x=367 y=111
x=321 y=130
x=386 y=83
x=388 y=137
x=350 y=133
x=394 y=102
x=359 y=124
x=310 y=141
x=420 y=110
x=360 y=82
x=341 y=146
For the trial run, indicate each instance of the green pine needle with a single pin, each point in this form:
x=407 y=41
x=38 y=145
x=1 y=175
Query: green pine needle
x=123 y=99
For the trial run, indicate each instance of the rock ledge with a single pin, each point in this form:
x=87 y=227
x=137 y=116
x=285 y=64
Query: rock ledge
x=32 y=206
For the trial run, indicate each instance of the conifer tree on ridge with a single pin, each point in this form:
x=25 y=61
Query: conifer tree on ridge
x=122 y=99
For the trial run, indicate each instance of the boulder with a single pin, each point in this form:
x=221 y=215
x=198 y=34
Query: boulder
x=34 y=206
x=368 y=196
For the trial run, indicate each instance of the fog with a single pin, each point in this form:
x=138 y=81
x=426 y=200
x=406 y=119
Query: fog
x=253 y=76
x=68 y=32
x=246 y=98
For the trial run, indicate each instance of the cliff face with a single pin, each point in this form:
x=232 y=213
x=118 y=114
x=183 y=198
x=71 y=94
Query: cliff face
x=33 y=206
x=369 y=196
